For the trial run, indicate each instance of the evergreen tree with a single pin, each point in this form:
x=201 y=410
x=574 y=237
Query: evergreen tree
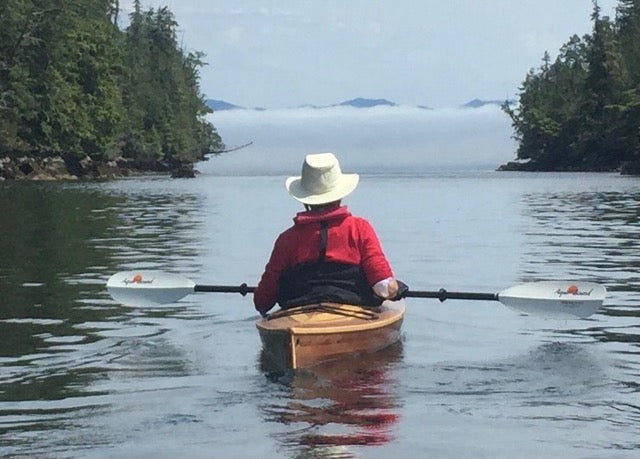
x=545 y=122
x=161 y=91
x=602 y=141
x=628 y=32
x=21 y=25
x=59 y=89
x=583 y=111
x=72 y=83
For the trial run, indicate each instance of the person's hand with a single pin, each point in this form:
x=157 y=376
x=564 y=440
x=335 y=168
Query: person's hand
x=386 y=288
x=392 y=289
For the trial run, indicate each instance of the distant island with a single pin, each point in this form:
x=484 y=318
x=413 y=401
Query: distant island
x=361 y=102
x=218 y=105
x=477 y=103
x=358 y=102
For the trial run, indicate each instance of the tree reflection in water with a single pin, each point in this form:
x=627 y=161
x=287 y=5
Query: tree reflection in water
x=351 y=401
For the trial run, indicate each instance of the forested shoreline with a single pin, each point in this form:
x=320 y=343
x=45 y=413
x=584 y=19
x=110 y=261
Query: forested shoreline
x=581 y=112
x=81 y=97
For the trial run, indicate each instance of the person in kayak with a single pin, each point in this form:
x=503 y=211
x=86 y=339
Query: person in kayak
x=328 y=254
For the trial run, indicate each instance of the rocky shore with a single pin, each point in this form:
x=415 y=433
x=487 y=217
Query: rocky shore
x=627 y=168
x=69 y=167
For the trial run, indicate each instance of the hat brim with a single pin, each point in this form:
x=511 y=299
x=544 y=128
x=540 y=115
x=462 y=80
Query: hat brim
x=346 y=185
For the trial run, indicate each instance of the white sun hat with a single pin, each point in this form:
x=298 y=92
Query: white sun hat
x=322 y=180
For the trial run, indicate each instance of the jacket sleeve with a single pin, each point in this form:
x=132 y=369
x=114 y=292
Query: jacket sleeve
x=374 y=263
x=266 y=293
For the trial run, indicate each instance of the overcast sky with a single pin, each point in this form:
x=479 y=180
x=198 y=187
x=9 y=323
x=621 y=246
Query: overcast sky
x=438 y=53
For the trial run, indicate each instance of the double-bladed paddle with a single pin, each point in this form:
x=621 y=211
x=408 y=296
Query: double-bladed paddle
x=562 y=299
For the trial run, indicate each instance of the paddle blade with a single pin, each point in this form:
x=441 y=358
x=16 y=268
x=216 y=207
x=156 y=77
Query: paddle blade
x=148 y=288
x=555 y=298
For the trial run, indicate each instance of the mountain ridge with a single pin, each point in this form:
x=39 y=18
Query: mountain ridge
x=358 y=102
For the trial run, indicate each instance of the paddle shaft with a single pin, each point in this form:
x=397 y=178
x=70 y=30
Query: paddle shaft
x=242 y=289
x=441 y=294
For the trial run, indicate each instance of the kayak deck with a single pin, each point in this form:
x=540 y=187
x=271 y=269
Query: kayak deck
x=308 y=335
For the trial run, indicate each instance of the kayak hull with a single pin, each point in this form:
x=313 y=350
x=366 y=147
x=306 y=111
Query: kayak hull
x=309 y=335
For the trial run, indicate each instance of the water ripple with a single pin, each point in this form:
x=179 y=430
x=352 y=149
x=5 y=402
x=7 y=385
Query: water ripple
x=589 y=235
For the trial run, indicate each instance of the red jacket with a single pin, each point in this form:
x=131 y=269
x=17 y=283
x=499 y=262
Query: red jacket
x=351 y=240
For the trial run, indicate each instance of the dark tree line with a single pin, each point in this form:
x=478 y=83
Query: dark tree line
x=581 y=111
x=73 y=83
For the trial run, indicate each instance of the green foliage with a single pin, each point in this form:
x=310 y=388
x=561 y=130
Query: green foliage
x=628 y=34
x=582 y=112
x=71 y=82
x=164 y=107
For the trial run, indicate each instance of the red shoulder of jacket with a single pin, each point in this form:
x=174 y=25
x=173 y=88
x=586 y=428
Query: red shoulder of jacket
x=314 y=216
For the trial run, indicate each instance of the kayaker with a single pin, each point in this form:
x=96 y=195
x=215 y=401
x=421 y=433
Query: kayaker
x=328 y=254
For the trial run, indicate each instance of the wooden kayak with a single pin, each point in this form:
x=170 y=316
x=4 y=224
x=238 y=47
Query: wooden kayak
x=305 y=336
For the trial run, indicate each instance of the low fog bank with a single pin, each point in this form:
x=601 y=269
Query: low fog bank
x=379 y=140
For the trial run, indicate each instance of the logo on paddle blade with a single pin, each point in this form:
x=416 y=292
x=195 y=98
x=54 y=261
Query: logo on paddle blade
x=574 y=291
x=137 y=279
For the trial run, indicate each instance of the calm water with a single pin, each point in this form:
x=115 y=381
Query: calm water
x=82 y=376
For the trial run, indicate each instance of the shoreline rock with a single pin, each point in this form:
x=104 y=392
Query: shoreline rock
x=629 y=168
x=67 y=167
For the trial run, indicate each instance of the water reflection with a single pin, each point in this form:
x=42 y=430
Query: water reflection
x=352 y=401
x=591 y=235
x=61 y=333
x=555 y=386
x=562 y=370
x=594 y=235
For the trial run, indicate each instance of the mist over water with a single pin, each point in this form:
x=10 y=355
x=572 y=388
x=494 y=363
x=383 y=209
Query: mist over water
x=389 y=140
